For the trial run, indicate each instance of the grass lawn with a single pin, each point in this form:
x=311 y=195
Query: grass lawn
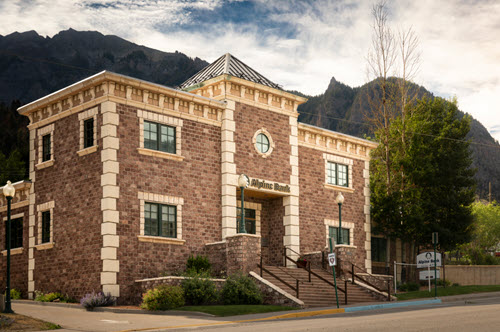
x=232 y=310
x=15 y=322
x=451 y=290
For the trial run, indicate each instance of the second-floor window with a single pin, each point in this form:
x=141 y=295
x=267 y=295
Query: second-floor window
x=88 y=133
x=337 y=174
x=16 y=233
x=160 y=220
x=45 y=226
x=46 y=153
x=159 y=137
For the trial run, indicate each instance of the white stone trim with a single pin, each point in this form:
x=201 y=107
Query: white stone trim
x=110 y=195
x=339 y=160
x=258 y=210
x=271 y=142
x=32 y=216
x=178 y=202
x=90 y=113
x=161 y=119
x=15 y=216
x=367 y=224
x=277 y=289
x=40 y=133
x=345 y=224
x=48 y=206
x=291 y=221
x=228 y=167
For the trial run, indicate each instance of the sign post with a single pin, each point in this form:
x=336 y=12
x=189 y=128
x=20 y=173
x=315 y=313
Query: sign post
x=332 y=260
x=435 y=242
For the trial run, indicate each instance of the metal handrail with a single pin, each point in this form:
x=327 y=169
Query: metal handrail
x=313 y=273
x=353 y=273
x=297 y=281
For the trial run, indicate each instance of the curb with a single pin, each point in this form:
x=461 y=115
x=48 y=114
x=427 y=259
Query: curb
x=392 y=305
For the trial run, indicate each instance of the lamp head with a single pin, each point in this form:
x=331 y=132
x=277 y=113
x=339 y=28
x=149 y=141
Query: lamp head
x=243 y=181
x=9 y=190
x=340 y=198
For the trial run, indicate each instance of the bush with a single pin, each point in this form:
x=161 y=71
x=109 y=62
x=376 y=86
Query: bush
x=164 y=297
x=52 y=297
x=241 y=289
x=198 y=289
x=198 y=264
x=14 y=294
x=409 y=287
x=443 y=282
x=92 y=300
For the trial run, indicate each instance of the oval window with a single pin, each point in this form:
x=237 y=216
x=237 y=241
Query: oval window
x=262 y=143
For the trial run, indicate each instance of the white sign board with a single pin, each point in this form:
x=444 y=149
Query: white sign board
x=428 y=275
x=426 y=259
x=331 y=259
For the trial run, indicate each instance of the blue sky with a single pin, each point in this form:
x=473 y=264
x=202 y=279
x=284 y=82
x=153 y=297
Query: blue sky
x=298 y=44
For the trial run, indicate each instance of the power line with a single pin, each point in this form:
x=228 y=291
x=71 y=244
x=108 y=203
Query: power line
x=412 y=132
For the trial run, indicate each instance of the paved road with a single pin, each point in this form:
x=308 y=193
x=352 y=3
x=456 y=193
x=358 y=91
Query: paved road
x=478 y=316
x=474 y=314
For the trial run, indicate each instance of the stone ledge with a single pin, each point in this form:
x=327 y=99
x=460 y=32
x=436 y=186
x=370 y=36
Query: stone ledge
x=159 y=239
x=160 y=154
x=45 y=246
x=15 y=251
x=242 y=234
x=175 y=278
x=45 y=164
x=87 y=151
x=339 y=188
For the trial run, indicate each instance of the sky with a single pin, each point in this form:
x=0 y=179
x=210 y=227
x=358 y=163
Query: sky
x=300 y=45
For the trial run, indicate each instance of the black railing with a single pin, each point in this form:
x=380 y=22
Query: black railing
x=311 y=272
x=364 y=280
x=297 y=281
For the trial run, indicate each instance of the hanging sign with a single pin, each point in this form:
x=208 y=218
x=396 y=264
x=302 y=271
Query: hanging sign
x=426 y=259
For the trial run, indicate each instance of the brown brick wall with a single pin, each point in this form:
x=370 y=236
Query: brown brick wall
x=275 y=167
x=197 y=179
x=318 y=203
x=19 y=262
x=73 y=265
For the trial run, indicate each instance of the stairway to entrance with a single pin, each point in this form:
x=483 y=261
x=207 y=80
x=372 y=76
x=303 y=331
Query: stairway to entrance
x=317 y=292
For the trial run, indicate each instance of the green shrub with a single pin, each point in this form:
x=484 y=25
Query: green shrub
x=164 y=297
x=409 y=287
x=53 y=297
x=198 y=264
x=198 y=289
x=14 y=294
x=442 y=282
x=241 y=289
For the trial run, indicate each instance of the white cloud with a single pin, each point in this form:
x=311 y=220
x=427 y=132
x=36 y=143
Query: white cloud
x=459 y=39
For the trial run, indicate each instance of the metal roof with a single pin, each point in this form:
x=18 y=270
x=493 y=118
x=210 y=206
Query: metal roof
x=230 y=65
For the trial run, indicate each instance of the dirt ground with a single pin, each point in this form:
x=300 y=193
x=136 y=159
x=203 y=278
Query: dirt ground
x=24 y=323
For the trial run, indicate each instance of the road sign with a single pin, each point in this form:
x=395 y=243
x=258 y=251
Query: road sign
x=428 y=275
x=426 y=259
x=435 y=238
x=331 y=259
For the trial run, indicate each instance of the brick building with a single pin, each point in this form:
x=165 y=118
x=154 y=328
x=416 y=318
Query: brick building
x=128 y=178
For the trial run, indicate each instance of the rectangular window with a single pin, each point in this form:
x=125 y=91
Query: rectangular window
x=46 y=148
x=333 y=233
x=45 y=226
x=159 y=137
x=249 y=220
x=16 y=233
x=337 y=174
x=88 y=133
x=160 y=220
x=379 y=249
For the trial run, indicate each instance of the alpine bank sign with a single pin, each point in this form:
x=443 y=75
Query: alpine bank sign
x=426 y=259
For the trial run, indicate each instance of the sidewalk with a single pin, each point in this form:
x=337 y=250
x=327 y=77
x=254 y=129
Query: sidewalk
x=72 y=317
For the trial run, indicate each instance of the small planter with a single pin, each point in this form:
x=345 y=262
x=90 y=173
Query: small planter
x=302 y=264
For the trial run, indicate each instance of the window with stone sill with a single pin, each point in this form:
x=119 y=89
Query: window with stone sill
x=45 y=146
x=332 y=227
x=161 y=218
x=338 y=172
x=160 y=135
x=88 y=131
x=16 y=233
x=45 y=223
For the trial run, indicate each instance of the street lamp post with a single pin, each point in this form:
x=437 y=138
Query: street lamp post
x=9 y=192
x=243 y=182
x=340 y=201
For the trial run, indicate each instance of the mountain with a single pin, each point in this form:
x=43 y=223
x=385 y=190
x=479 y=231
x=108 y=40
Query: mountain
x=32 y=66
x=344 y=109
